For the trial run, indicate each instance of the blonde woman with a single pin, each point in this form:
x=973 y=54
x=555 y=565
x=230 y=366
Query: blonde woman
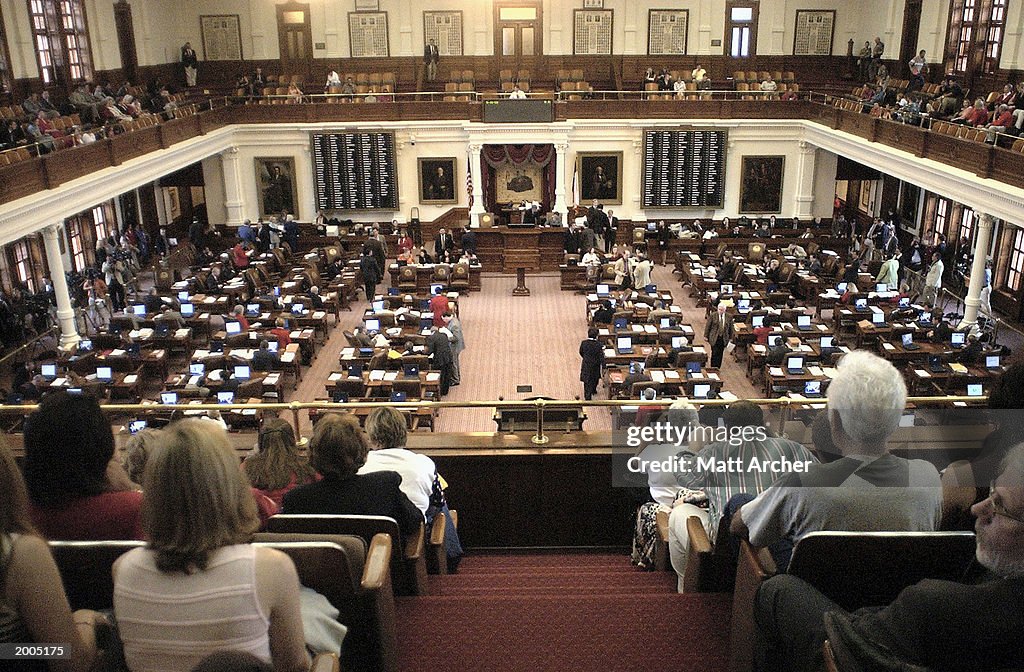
x=199 y=586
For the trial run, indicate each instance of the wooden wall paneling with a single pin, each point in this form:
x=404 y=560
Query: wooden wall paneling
x=21 y=179
x=136 y=143
x=68 y=164
x=901 y=136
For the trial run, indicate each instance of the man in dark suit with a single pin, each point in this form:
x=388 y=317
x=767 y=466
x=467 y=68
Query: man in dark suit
x=592 y=353
x=372 y=273
x=431 y=56
x=718 y=332
x=439 y=350
x=443 y=242
x=190 y=62
x=377 y=249
x=610 y=231
x=263 y=359
x=469 y=241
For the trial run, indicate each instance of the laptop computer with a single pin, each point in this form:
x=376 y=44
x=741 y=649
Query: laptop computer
x=273 y=346
x=624 y=345
x=693 y=368
x=878 y=319
x=881 y=288
x=652 y=226
x=182 y=297
x=827 y=341
x=136 y=426
x=168 y=398
x=936 y=365
x=162 y=328
x=602 y=290
x=677 y=342
x=621 y=323
x=216 y=346
x=104 y=374
x=637 y=367
x=757 y=321
x=139 y=310
x=399 y=396
x=904 y=302
x=992 y=362
x=925 y=317
x=225 y=397
x=702 y=391
x=651 y=289
x=298 y=309
x=743 y=305
x=666 y=323
x=426 y=322
x=252 y=310
x=134 y=349
x=366 y=352
x=277 y=291
x=803 y=322
x=812 y=388
x=425 y=304
x=49 y=371
x=436 y=287
x=841 y=287
x=726 y=289
x=908 y=342
x=233 y=327
x=958 y=339
x=411 y=371
x=373 y=325
x=774 y=340
x=339 y=396
x=393 y=291
x=975 y=390
x=795 y=366
x=860 y=305
x=355 y=371
x=197 y=369
x=187 y=310
x=242 y=372
x=377 y=306
x=85 y=345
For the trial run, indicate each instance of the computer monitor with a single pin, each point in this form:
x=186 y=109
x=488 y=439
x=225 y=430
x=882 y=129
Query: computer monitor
x=297 y=309
x=216 y=345
x=666 y=323
x=624 y=343
x=992 y=362
x=803 y=321
x=373 y=325
x=139 y=310
x=636 y=367
x=861 y=304
x=377 y=306
x=136 y=426
x=233 y=327
x=925 y=316
x=693 y=367
x=435 y=287
x=85 y=345
x=277 y=291
x=252 y=309
x=908 y=339
x=757 y=321
x=225 y=397
x=393 y=291
x=339 y=396
x=795 y=363
x=701 y=390
x=104 y=373
x=168 y=398
x=651 y=289
x=187 y=310
x=399 y=396
x=841 y=287
x=677 y=342
x=602 y=290
x=49 y=371
x=242 y=372
x=878 y=318
x=958 y=338
x=652 y=226
x=881 y=287
x=355 y=370
x=182 y=297
x=904 y=302
x=774 y=340
x=974 y=390
x=743 y=305
x=826 y=341
x=426 y=322
x=621 y=322
x=273 y=345
x=411 y=371
x=812 y=388
x=366 y=352
x=197 y=369
x=726 y=289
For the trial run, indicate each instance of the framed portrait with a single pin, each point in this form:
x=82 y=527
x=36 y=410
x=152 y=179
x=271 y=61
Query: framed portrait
x=600 y=176
x=275 y=181
x=761 y=184
x=437 y=180
x=222 y=37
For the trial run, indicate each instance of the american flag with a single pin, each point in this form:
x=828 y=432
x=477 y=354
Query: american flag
x=469 y=180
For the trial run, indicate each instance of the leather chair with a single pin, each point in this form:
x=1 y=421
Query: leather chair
x=407 y=279
x=460 y=278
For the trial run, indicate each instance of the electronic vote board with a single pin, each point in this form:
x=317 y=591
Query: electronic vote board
x=684 y=168
x=355 y=171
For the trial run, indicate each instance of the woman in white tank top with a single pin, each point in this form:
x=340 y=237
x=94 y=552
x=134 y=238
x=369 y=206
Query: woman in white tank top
x=199 y=587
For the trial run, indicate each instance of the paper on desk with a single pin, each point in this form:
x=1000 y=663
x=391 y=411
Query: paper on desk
x=433 y=377
x=888 y=346
x=921 y=373
x=391 y=375
x=296 y=333
x=117 y=352
x=658 y=376
x=131 y=379
x=636 y=327
x=377 y=374
x=319 y=315
x=157 y=353
x=758 y=348
x=272 y=379
x=608 y=352
x=58 y=382
x=714 y=376
x=288 y=357
x=775 y=371
x=204 y=316
x=334 y=377
x=672 y=375
x=958 y=368
x=822 y=327
x=815 y=371
x=728 y=396
x=698 y=348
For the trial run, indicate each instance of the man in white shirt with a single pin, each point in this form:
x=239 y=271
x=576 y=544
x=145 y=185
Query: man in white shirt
x=517 y=94
x=933 y=280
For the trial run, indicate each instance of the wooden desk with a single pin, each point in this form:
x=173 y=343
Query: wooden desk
x=506 y=249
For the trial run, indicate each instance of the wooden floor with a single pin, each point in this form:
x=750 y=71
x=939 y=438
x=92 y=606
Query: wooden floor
x=518 y=341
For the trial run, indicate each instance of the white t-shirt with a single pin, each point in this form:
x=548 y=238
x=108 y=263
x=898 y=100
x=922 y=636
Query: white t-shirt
x=417 y=472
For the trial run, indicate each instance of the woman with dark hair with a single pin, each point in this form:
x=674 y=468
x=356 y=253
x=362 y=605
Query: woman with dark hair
x=33 y=606
x=199 y=586
x=75 y=487
x=276 y=467
x=337 y=450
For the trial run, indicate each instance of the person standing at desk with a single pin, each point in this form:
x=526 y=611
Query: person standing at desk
x=458 y=342
x=443 y=243
x=438 y=306
x=718 y=333
x=469 y=241
x=592 y=354
x=372 y=273
x=440 y=352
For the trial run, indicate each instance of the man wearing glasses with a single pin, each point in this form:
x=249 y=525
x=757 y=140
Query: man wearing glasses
x=942 y=625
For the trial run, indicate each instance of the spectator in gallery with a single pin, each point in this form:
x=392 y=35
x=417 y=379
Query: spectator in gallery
x=864 y=62
x=699 y=75
x=431 y=56
x=349 y=87
x=769 y=84
x=333 y=79
x=1001 y=122
x=517 y=93
x=650 y=77
x=190 y=64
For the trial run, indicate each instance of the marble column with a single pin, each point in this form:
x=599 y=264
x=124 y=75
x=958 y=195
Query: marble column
x=560 y=172
x=65 y=313
x=234 y=204
x=977 y=283
x=478 y=185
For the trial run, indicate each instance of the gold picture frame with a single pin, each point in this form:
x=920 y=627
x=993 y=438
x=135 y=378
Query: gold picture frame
x=275 y=182
x=761 y=183
x=437 y=188
x=600 y=177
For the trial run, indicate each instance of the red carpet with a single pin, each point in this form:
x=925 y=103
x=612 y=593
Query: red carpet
x=561 y=612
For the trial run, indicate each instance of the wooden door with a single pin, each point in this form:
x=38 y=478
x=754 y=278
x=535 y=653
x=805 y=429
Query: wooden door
x=518 y=36
x=126 y=41
x=295 y=39
x=908 y=43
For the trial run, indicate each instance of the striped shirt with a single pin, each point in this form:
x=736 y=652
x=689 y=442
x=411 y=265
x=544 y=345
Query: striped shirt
x=722 y=470
x=169 y=621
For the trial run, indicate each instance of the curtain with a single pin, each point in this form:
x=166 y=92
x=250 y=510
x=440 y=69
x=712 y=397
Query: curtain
x=493 y=156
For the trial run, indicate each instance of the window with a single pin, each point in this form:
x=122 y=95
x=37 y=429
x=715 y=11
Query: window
x=61 y=41
x=103 y=222
x=5 y=59
x=741 y=29
x=1015 y=272
x=942 y=212
x=975 y=37
x=77 y=233
x=21 y=260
